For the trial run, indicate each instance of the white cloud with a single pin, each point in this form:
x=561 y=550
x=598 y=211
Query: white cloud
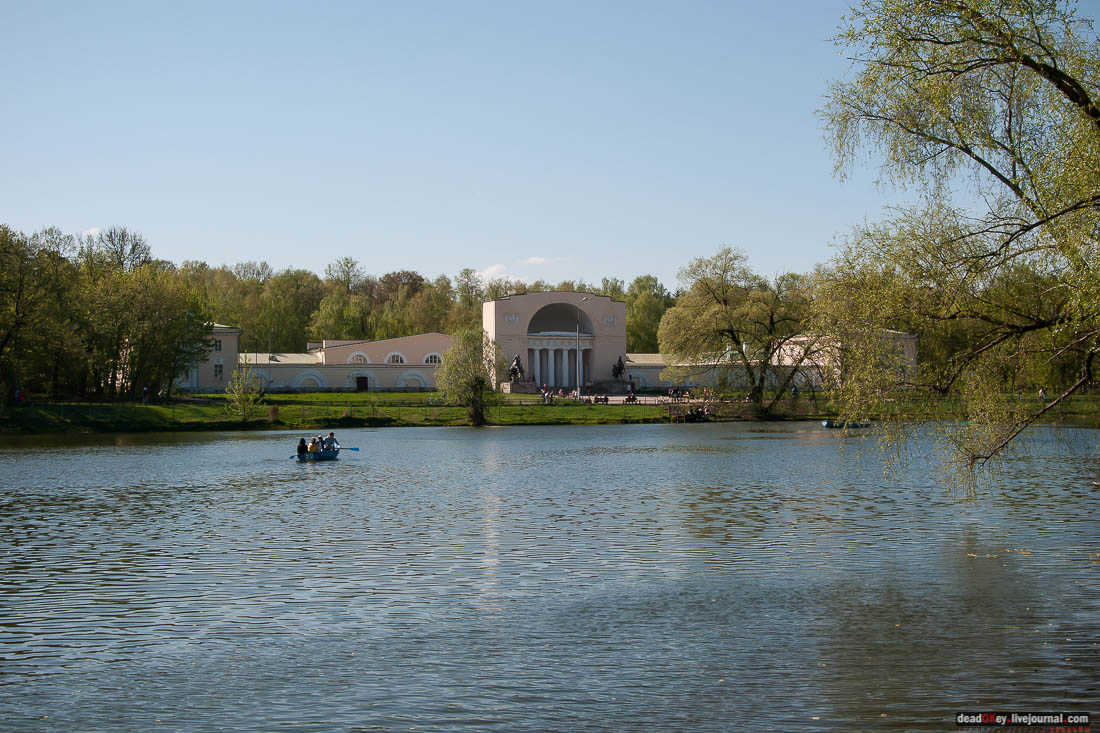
x=491 y=272
x=92 y=232
x=536 y=261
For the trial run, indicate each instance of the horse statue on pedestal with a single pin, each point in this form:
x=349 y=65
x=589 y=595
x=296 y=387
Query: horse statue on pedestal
x=617 y=369
x=515 y=371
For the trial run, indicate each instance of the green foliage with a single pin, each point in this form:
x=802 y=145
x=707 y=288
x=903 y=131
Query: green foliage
x=612 y=288
x=94 y=315
x=98 y=315
x=646 y=303
x=989 y=108
x=345 y=276
x=735 y=322
x=471 y=368
x=244 y=394
x=25 y=298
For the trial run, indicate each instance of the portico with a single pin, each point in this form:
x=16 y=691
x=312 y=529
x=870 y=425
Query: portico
x=566 y=340
x=554 y=362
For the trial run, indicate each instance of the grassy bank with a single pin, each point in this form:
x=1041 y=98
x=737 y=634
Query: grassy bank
x=315 y=411
x=308 y=411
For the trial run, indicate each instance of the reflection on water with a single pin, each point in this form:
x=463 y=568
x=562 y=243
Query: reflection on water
x=642 y=577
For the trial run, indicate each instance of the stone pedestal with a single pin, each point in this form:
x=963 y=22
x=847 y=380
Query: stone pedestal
x=610 y=386
x=519 y=387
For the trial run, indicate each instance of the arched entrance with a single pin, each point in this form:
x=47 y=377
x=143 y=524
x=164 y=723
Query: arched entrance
x=559 y=339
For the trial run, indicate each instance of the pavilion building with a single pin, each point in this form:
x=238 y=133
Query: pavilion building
x=564 y=339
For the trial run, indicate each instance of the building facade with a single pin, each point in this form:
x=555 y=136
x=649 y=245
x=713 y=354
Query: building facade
x=564 y=339
x=399 y=364
x=214 y=372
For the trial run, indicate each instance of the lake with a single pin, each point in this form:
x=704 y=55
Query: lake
x=733 y=576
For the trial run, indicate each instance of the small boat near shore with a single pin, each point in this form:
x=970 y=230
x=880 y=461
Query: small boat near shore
x=838 y=424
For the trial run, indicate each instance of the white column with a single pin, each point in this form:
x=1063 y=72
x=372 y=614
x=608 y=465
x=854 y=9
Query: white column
x=550 y=366
x=536 y=366
x=580 y=368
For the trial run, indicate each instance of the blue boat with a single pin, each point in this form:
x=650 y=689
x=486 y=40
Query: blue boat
x=323 y=455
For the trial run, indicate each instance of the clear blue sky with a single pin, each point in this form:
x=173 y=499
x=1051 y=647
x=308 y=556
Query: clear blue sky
x=539 y=140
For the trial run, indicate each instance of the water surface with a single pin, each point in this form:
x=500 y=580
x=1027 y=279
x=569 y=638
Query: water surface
x=547 y=578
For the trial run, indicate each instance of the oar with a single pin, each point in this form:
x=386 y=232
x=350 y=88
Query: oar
x=349 y=449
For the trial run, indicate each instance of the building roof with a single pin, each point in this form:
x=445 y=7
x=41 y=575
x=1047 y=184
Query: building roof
x=262 y=358
x=339 y=343
x=645 y=360
x=544 y=293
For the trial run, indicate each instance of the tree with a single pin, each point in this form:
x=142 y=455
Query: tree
x=288 y=301
x=389 y=284
x=35 y=281
x=471 y=368
x=733 y=321
x=243 y=394
x=341 y=317
x=500 y=287
x=989 y=108
x=121 y=248
x=646 y=302
x=168 y=331
x=257 y=272
x=53 y=359
x=345 y=276
x=469 y=293
x=612 y=288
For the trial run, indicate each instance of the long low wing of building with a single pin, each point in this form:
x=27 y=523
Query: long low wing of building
x=399 y=364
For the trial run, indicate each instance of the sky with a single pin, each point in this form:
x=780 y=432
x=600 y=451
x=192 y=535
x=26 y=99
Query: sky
x=555 y=140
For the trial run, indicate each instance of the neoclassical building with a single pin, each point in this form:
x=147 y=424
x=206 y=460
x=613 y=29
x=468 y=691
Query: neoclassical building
x=563 y=339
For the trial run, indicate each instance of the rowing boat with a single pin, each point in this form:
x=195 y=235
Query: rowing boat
x=322 y=455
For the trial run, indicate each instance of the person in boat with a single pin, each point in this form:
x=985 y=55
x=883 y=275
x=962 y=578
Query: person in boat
x=330 y=442
x=302 y=447
x=314 y=446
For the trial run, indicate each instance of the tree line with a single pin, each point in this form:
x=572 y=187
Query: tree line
x=99 y=316
x=282 y=311
x=93 y=315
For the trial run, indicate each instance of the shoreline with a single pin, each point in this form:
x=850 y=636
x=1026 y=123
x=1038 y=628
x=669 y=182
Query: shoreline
x=105 y=418
x=314 y=411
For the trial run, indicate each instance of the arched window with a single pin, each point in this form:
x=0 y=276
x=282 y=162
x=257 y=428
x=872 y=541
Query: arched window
x=433 y=359
x=395 y=358
x=357 y=359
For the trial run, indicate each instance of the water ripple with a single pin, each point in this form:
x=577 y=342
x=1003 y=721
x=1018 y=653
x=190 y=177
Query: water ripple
x=670 y=577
